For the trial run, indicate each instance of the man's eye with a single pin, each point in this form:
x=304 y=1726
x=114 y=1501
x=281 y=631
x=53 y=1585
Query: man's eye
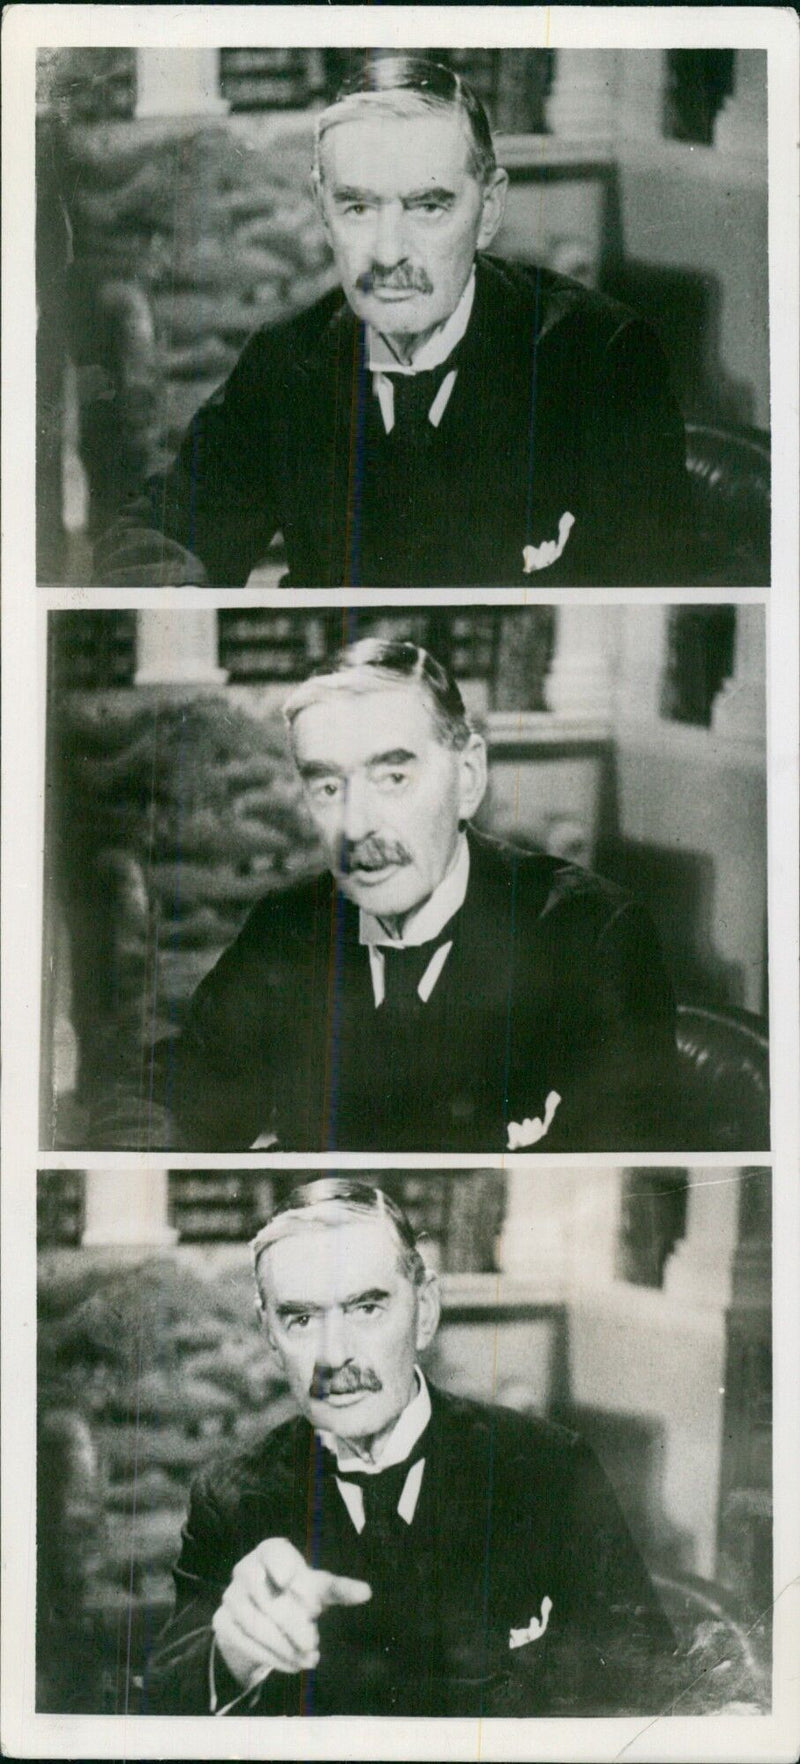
x=389 y=781
x=299 y=1321
x=325 y=790
x=356 y=208
x=368 y=1309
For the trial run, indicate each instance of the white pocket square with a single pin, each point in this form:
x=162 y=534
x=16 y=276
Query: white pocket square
x=522 y=1133
x=539 y=557
x=519 y=1638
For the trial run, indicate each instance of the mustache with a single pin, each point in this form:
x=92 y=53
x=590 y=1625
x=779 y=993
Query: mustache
x=371 y=854
x=344 y=1381
x=401 y=279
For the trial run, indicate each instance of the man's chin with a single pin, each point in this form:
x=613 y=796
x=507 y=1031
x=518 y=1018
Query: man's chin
x=383 y=892
x=402 y=314
x=348 y=1417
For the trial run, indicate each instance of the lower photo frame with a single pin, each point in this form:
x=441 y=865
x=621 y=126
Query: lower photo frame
x=561 y=1375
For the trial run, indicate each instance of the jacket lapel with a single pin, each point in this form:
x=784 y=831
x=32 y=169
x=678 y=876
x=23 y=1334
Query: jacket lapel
x=492 y=1573
x=497 y=428
x=500 y=986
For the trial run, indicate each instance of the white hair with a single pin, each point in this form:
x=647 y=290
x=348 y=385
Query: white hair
x=406 y=105
x=335 y=1201
x=377 y=663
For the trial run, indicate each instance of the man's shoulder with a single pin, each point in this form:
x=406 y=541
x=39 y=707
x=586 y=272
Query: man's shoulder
x=294 y=910
x=264 y=1467
x=527 y=1461
x=546 y=300
x=295 y=341
x=493 y=858
x=541 y=883
x=510 y=282
x=510 y=1433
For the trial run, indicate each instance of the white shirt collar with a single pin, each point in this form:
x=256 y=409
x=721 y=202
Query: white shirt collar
x=398 y=1444
x=430 y=918
x=434 y=350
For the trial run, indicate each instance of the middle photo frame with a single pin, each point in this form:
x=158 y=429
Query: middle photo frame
x=446 y=881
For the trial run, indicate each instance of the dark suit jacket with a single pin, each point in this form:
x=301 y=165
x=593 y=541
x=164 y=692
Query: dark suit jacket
x=511 y=1510
x=554 y=983
x=562 y=403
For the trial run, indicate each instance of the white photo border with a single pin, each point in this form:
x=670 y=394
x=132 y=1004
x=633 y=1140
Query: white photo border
x=23 y=1732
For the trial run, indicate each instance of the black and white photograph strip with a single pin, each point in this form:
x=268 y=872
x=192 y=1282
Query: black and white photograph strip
x=453 y=881
x=400 y=883
x=485 y=1443
x=344 y=317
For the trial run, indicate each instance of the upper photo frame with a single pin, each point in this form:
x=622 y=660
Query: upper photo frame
x=489 y=318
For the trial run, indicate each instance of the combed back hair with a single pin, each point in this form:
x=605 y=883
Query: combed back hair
x=331 y=1200
x=401 y=85
x=373 y=661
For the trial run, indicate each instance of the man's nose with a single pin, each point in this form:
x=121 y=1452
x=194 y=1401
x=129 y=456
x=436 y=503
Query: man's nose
x=335 y=1339
x=390 y=243
x=358 y=811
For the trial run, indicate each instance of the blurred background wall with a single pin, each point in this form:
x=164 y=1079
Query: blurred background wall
x=632 y=1305
x=630 y=739
x=174 y=217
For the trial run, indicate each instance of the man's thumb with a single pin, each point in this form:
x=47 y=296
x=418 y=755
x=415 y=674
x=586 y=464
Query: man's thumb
x=341 y=1590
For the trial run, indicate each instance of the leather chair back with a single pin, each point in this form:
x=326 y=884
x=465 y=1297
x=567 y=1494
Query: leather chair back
x=729 y=494
x=721 y=1663
x=724 y=1057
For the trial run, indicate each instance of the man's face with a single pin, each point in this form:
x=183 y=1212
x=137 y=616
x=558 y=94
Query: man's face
x=346 y=1323
x=405 y=216
x=386 y=796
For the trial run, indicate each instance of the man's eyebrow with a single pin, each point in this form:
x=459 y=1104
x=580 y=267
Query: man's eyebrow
x=319 y=769
x=372 y=1296
x=297 y=1308
x=430 y=193
x=396 y=756
x=354 y=193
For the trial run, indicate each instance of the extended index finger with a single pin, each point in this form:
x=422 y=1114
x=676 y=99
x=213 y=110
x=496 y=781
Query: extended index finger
x=341 y=1589
x=313 y=1588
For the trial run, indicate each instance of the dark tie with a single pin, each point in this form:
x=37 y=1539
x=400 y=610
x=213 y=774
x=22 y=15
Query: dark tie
x=413 y=396
x=381 y=1494
x=403 y=968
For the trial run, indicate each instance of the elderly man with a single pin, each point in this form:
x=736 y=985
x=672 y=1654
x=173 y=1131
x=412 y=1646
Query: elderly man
x=433 y=990
x=393 y=1550
x=444 y=417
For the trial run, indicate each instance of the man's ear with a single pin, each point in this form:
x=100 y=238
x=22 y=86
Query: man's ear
x=429 y=1306
x=494 y=207
x=472 y=777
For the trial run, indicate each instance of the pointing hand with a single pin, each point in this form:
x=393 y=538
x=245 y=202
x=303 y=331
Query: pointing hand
x=268 y=1618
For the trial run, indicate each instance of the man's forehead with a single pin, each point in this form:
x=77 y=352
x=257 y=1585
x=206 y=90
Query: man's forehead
x=322 y=1261
x=396 y=153
x=365 y=721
